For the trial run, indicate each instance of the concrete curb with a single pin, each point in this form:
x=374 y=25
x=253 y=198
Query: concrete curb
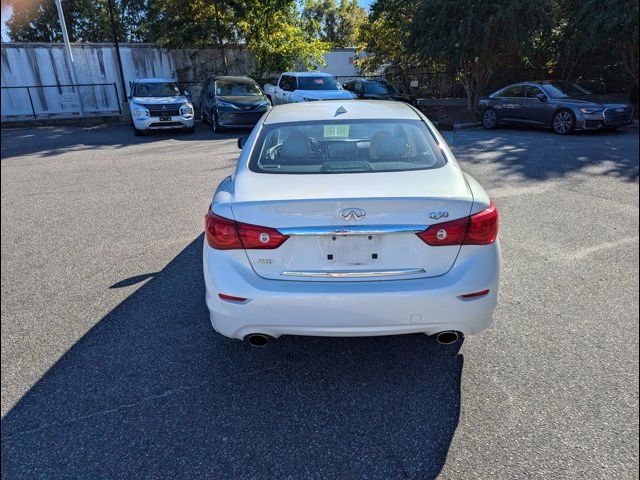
x=67 y=122
x=460 y=126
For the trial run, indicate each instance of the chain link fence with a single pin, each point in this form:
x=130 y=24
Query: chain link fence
x=38 y=102
x=425 y=83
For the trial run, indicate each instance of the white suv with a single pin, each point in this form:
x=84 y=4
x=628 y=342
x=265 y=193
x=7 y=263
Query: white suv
x=159 y=104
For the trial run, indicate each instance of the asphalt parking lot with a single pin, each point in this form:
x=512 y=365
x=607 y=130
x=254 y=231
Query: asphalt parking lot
x=110 y=368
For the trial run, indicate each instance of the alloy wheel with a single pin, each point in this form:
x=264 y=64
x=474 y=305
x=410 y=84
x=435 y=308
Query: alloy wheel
x=562 y=122
x=489 y=118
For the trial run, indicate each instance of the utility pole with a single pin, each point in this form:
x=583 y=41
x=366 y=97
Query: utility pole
x=115 y=41
x=67 y=48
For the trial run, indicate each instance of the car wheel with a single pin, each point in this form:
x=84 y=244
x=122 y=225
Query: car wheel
x=563 y=122
x=215 y=125
x=489 y=119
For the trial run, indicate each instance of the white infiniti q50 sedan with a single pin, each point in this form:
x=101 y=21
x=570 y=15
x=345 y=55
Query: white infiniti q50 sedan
x=349 y=218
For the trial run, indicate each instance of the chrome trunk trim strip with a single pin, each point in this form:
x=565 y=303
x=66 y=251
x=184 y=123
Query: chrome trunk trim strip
x=352 y=230
x=352 y=273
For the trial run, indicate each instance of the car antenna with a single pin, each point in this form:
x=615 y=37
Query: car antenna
x=340 y=111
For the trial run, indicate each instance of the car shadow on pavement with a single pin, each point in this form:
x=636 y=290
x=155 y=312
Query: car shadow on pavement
x=151 y=391
x=52 y=141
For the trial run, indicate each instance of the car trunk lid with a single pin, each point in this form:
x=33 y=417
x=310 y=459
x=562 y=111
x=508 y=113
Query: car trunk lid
x=352 y=227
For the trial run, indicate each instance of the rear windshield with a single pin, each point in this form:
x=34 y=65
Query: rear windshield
x=336 y=146
x=321 y=82
x=379 y=88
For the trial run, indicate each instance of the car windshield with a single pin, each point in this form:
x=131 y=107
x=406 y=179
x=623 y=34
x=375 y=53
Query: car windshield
x=237 y=87
x=565 y=89
x=335 y=146
x=321 y=82
x=156 y=89
x=379 y=88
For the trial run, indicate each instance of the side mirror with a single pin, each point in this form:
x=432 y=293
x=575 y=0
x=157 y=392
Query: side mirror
x=242 y=141
x=542 y=97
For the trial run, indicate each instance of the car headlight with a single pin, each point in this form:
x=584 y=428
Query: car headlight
x=139 y=111
x=591 y=109
x=266 y=105
x=222 y=103
x=186 y=110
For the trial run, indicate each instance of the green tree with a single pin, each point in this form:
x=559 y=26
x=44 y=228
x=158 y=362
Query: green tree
x=273 y=32
x=384 y=40
x=87 y=20
x=351 y=17
x=476 y=37
x=195 y=23
x=586 y=29
x=336 y=23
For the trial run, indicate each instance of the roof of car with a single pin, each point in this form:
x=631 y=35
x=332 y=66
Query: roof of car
x=307 y=74
x=154 y=80
x=232 y=77
x=330 y=110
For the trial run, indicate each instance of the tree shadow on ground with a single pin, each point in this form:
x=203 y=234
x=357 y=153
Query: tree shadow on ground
x=541 y=155
x=153 y=392
x=52 y=141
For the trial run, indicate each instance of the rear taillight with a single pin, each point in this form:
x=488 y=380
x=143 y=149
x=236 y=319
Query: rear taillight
x=483 y=227
x=447 y=233
x=225 y=234
x=221 y=232
x=478 y=229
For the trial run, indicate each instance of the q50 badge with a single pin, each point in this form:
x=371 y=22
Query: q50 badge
x=438 y=215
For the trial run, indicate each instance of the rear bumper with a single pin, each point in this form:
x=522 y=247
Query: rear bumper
x=367 y=308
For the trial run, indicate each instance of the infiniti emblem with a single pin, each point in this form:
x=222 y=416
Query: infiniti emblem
x=164 y=107
x=350 y=214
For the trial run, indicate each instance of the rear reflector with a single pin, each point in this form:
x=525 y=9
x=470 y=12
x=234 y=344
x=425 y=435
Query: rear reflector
x=475 y=294
x=225 y=234
x=224 y=296
x=478 y=229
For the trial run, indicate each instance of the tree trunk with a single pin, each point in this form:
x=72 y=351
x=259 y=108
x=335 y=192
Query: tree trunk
x=630 y=62
x=474 y=80
x=468 y=91
x=220 y=40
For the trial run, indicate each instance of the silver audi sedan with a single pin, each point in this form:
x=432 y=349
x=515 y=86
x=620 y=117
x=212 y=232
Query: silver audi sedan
x=560 y=105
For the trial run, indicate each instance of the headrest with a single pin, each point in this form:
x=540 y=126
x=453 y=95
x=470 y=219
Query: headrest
x=394 y=147
x=342 y=150
x=295 y=147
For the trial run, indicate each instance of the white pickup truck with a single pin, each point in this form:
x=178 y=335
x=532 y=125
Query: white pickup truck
x=295 y=87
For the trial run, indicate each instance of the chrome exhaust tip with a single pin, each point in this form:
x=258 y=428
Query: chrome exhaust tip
x=447 y=338
x=257 y=340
